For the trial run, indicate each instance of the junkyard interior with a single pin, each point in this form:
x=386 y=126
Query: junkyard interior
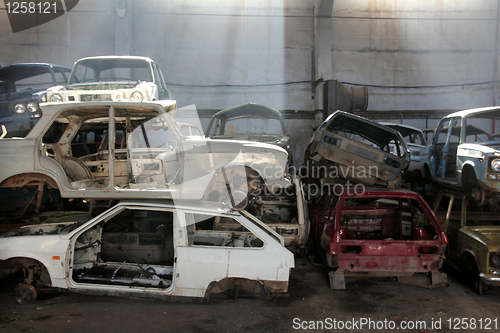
x=362 y=137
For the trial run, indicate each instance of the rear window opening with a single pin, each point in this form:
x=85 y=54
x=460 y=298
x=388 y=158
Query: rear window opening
x=385 y=219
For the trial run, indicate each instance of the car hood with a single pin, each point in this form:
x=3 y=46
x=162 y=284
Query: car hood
x=489 y=147
x=102 y=86
x=489 y=235
x=42 y=229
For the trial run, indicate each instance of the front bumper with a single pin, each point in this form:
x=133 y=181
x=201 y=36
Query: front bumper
x=490 y=279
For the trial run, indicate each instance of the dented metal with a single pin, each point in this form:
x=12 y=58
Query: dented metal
x=355 y=148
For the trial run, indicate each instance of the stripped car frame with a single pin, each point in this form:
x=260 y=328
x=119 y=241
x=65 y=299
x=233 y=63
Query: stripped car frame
x=151 y=249
x=137 y=151
x=380 y=232
x=252 y=122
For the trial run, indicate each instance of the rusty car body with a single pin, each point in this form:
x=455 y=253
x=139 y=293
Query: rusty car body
x=358 y=149
x=22 y=88
x=149 y=248
x=286 y=212
x=416 y=143
x=465 y=152
x=112 y=78
x=117 y=150
x=474 y=235
x=379 y=232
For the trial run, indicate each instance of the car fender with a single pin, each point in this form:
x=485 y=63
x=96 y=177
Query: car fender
x=23 y=257
x=474 y=256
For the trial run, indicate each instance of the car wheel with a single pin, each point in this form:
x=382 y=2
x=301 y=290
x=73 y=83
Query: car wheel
x=470 y=272
x=25 y=293
x=479 y=286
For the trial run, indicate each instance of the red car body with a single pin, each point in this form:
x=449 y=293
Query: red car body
x=382 y=232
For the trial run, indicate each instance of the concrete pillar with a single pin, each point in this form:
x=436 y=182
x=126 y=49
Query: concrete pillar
x=323 y=45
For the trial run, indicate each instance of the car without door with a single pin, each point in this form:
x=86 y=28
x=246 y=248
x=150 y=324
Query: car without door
x=358 y=149
x=380 y=232
x=124 y=150
x=474 y=235
x=152 y=249
x=465 y=152
x=22 y=88
x=112 y=78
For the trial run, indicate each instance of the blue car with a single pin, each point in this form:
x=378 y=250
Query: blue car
x=22 y=88
x=465 y=152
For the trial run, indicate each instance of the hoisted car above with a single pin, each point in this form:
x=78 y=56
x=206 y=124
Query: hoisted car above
x=355 y=148
x=113 y=150
x=465 y=152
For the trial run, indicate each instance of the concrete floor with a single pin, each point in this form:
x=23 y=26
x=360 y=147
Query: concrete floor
x=311 y=301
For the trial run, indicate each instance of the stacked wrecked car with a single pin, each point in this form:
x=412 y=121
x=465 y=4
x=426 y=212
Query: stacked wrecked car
x=172 y=212
x=145 y=152
x=363 y=223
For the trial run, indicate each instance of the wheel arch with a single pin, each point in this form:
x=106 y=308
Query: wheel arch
x=469 y=179
x=22 y=179
x=15 y=264
x=472 y=257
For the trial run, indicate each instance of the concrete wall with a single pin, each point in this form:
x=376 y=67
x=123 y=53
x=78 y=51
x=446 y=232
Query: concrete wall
x=442 y=45
x=221 y=53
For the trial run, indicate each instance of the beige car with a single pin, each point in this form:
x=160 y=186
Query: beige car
x=355 y=148
x=474 y=238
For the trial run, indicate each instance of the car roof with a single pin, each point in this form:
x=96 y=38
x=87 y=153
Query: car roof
x=377 y=135
x=468 y=112
x=248 y=109
x=394 y=125
x=211 y=207
x=16 y=72
x=106 y=62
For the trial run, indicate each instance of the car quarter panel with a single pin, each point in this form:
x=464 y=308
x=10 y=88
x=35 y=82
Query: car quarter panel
x=197 y=265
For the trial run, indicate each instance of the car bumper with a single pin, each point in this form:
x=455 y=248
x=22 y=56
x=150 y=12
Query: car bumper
x=490 y=279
